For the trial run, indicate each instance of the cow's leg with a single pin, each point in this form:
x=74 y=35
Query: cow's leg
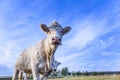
x=45 y=78
x=26 y=76
x=45 y=75
x=35 y=71
x=21 y=75
x=48 y=68
x=16 y=72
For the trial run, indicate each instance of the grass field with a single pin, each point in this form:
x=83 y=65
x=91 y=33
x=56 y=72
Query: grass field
x=112 y=77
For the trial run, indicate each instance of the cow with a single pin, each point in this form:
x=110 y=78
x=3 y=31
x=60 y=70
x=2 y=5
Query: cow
x=55 y=65
x=40 y=57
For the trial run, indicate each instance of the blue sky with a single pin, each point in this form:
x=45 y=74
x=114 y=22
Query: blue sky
x=93 y=43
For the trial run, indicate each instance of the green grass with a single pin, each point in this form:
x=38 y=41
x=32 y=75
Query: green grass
x=112 y=77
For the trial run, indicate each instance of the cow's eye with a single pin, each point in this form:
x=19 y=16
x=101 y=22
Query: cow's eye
x=50 y=32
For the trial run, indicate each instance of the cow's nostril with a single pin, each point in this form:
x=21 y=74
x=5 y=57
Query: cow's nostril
x=53 y=38
x=54 y=69
x=59 y=39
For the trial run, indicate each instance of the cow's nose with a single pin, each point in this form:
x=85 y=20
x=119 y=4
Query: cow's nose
x=56 y=39
x=54 y=69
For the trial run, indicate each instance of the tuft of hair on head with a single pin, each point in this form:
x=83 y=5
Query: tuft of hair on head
x=55 y=23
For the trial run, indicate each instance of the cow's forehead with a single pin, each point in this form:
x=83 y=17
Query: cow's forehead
x=55 y=25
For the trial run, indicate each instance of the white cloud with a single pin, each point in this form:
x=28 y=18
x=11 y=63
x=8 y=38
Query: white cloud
x=90 y=31
x=8 y=53
x=86 y=31
x=68 y=58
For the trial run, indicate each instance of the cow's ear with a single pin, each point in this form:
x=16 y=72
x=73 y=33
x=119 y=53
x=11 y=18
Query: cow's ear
x=44 y=28
x=59 y=63
x=66 y=29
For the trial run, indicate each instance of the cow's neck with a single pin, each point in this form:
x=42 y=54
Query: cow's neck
x=49 y=49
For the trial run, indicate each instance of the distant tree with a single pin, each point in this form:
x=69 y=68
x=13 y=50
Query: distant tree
x=100 y=73
x=69 y=73
x=53 y=74
x=94 y=73
x=73 y=73
x=83 y=73
x=64 y=71
x=78 y=73
x=87 y=73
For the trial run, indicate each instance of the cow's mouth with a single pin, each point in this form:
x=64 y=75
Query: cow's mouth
x=56 y=43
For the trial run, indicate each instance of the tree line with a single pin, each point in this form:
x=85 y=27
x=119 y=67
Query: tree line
x=64 y=72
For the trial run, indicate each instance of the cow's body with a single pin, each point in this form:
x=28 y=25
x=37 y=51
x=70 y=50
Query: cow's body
x=45 y=74
x=40 y=57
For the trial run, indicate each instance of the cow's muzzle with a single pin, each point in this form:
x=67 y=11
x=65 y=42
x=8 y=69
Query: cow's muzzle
x=56 y=41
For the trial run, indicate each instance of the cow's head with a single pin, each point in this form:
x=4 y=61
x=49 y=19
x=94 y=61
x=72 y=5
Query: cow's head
x=56 y=64
x=55 y=32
